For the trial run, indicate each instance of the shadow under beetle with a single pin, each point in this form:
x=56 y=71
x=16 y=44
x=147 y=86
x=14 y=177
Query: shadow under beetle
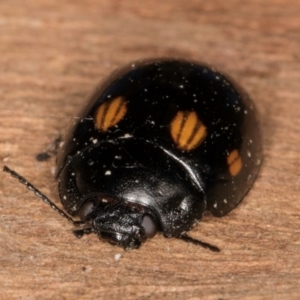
x=158 y=143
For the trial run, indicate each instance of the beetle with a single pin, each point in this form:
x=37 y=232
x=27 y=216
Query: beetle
x=158 y=142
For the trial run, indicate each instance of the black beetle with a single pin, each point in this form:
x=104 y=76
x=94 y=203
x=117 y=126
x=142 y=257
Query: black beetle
x=157 y=144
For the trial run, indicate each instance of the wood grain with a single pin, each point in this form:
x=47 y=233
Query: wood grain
x=52 y=55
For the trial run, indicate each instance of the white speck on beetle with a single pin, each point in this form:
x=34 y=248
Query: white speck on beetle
x=249 y=153
x=181 y=86
x=107 y=173
x=225 y=200
x=215 y=205
x=127 y=135
x=95 y=141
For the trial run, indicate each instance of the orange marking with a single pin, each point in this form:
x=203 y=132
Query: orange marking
x=235 y=162
x=187 y=131
x=110 y=113
x=176 y=126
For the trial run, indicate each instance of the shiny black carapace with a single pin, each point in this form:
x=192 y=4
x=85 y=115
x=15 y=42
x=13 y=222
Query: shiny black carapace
x=157 y=144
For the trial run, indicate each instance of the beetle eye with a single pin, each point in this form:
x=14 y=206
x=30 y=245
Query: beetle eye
x=86 y=209
x=149 y=226
x=90 y=205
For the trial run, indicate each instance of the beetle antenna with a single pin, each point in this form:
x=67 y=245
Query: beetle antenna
x=39 y=194
x=189 y=239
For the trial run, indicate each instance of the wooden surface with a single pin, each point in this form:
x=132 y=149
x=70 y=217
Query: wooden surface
x=52 y=55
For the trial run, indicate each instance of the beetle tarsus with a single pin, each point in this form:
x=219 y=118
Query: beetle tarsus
x=79 y=233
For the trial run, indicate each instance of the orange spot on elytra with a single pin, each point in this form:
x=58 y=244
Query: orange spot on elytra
x=110 y=113
x=235 y=162
x=187 y=130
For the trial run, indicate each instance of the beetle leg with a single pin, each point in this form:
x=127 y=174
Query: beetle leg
x=189 y=239
x=80 y=232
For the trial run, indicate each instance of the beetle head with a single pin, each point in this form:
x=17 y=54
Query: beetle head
x=126 y=225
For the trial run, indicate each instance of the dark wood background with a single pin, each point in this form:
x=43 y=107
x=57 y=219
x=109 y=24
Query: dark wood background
x=52 y=54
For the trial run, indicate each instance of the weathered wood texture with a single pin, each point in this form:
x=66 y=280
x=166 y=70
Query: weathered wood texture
x=52 y=55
